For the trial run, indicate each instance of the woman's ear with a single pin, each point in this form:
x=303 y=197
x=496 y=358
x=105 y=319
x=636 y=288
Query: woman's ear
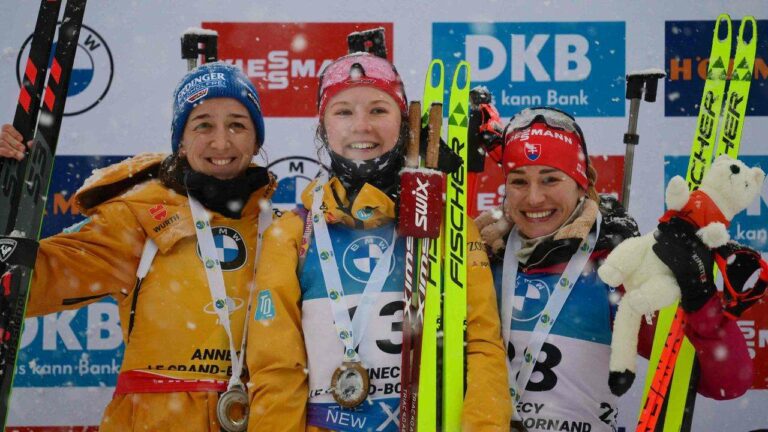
x=182 y=151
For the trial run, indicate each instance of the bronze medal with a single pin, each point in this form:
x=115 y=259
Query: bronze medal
x=232 y=410
x=349 y=384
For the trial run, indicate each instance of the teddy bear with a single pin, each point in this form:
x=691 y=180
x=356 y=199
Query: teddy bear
x=726 y=189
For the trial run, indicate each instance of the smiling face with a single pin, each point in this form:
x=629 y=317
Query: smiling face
x=362 y=123
x=539 y=199
x=219 y=138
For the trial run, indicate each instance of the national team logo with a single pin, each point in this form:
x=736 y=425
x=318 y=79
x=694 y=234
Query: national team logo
x=530 y=299
x=294 y=174
x=364 y=213
x=158 y=212
x=265 y=307
x=91 y=74
x=361 y=257
x=532 y=151
x=230 y=248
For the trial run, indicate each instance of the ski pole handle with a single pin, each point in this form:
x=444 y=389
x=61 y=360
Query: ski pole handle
x=643 y=84
x=421 y=189
x=433 y=140
x=370 y=41
x=196 y=42
x=414 y=123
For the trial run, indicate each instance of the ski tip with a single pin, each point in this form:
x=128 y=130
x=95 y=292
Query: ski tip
x=723 y=18
x=461 y=75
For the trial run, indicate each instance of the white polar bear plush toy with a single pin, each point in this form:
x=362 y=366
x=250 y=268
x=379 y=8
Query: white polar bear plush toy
x=726 y=189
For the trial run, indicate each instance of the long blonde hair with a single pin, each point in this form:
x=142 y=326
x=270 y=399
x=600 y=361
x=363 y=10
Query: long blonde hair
x=592 y=178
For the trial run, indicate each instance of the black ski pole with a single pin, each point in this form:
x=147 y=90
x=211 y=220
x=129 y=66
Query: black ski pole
x=196 y=42
x=638 y=83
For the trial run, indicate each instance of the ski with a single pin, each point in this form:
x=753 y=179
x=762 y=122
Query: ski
x=420 y=220
x=700 y=157
x=455 y=277
x=25 y=200
x=441 y=369
x=28 y=107
x=410 y=307
x=681 y=408
x=673 y=355
x=429 y=407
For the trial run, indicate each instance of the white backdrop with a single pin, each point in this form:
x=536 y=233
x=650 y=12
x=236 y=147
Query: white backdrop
x=134 y=114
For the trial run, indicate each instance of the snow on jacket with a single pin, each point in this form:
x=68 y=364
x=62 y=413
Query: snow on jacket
x=570 y=389
x=175 y=331
x=293 y=348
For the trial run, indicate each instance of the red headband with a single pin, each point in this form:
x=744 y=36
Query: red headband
x=541 y=144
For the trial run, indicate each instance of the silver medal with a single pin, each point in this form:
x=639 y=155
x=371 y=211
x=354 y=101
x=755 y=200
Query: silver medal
x=232 y=410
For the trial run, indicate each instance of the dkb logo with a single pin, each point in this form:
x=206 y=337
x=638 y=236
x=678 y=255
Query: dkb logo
x=572 y=66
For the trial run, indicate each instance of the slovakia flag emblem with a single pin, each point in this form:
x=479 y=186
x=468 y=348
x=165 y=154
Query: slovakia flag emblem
x=532 y=151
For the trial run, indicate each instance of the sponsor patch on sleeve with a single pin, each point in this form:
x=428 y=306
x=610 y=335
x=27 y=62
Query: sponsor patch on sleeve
x=265 y=309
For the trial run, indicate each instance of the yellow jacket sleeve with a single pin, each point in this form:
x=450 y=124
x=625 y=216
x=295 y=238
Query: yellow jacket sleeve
x=487 y=404
x=276 y=356
x=80 y=267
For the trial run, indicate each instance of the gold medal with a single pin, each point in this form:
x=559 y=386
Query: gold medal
x=349 y=384
x=232 y=410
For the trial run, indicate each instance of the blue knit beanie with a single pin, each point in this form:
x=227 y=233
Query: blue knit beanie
x=208 y=81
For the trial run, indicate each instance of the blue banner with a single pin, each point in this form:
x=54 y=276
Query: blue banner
x=578 y=67
x=687 y=48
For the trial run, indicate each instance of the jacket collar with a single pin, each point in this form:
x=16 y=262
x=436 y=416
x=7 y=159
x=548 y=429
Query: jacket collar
x=371 y=207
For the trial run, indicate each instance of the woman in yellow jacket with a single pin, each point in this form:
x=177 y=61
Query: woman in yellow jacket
x=299 y=335
x=153 y=209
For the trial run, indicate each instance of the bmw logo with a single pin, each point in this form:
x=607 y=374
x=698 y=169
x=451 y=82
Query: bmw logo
x=91 y=74
x=294 y=174
x=230 y=248
x=362 y=255
x=530 y=298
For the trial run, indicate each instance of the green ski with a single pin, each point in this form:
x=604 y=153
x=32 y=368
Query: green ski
x=679 y=410
x=428 y=416
x=455 y=276
x=441 y=378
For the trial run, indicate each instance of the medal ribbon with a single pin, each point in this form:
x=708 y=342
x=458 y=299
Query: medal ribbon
x=551 y=311
x=350 y=331
x=215 y=278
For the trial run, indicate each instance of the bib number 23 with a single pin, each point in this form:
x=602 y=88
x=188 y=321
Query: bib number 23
x=545 y=379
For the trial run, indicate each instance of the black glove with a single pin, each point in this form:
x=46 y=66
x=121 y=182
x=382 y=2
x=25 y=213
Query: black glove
x=485 y=127
x=517 y=426
x=738 y=265
x=447 y=160
x=689 y=259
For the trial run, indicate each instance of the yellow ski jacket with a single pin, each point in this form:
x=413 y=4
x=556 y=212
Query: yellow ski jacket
x=293 y=348
x=169 y=324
